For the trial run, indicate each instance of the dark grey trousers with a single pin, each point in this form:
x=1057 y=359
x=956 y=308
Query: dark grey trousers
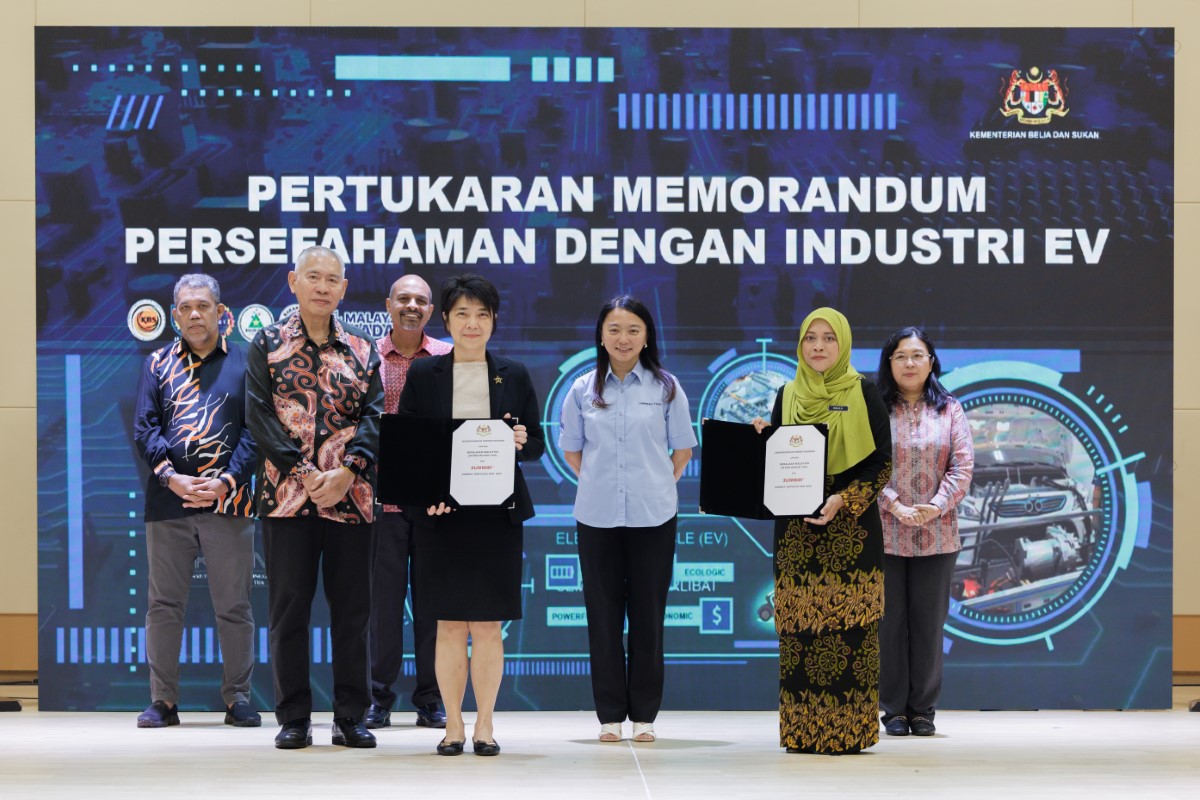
x=171 y=548
x=916 y=600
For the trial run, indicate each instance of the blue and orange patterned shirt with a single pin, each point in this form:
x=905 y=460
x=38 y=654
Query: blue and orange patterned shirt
x=314 y=408
x=190 y=418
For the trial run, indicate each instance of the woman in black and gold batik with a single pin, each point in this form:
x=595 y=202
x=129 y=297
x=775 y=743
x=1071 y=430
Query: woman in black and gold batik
x=829 y=568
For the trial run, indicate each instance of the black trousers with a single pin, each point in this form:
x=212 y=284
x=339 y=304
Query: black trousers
x=916 y=600
x=626 y=573
x=389 y=589
x=296 y=549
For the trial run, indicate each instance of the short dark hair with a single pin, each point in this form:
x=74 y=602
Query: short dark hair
x=648 y=357
x=473 y=287
x=935 y=394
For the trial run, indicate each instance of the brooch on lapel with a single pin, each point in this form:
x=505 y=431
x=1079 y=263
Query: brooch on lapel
x=499 y=379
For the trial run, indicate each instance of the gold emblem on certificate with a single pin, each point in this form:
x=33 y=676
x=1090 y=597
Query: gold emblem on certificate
x=777 y=473
x=794 y=471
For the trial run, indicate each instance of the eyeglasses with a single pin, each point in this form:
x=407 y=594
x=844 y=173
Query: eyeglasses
x=916 y=358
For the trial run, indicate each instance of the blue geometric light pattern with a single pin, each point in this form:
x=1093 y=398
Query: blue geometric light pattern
x=1126 y=515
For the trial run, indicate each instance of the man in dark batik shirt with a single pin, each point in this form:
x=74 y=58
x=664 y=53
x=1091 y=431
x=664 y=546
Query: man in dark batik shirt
x=189 y=427
x=313 y=400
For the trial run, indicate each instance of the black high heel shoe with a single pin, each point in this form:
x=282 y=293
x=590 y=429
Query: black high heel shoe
x=486 y=748
x=445 y=748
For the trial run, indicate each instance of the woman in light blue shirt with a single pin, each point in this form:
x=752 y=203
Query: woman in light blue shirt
x=627 y=433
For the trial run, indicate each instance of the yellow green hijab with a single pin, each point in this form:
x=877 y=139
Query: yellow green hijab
x=813 y=397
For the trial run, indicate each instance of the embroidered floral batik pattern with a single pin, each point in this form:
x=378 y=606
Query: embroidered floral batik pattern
x=828 y=602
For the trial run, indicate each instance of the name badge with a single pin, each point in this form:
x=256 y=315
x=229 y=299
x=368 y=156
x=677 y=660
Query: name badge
x=839 y=408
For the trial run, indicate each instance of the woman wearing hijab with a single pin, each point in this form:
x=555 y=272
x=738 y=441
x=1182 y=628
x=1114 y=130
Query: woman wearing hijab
x=829 y=567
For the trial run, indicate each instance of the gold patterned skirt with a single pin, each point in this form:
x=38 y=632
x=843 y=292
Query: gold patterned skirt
x=828 y=601
x=829 y=690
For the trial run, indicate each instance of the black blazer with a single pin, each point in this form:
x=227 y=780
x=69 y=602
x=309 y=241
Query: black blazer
x=429 y=393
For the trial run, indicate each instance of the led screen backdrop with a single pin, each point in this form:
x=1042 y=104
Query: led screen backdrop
x=1009 y=190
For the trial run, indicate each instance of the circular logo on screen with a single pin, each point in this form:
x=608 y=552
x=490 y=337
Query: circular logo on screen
x=744 y=386
x=252 y=319
x=225 y=323
x=289 y=310
x=146 y=320
x=1054 y=507
x=568 y=372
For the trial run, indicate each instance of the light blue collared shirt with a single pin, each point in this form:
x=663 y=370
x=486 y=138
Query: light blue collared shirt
x=627 y=479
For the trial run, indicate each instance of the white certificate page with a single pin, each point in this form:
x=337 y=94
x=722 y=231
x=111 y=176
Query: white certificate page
x=794 y=478
x=483 y=463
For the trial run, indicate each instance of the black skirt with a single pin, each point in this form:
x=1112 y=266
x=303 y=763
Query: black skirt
x=467 y=565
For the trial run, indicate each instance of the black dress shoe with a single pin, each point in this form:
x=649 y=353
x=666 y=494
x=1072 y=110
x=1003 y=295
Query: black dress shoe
x=849 y=751
x=294 y=735
x=896 y=726
x=349 y=732
x=922 y=726
x=378 y=717
x=431 y=716
x=491 y=748
x=445 y=748
x=158 y=715
x=242 y=715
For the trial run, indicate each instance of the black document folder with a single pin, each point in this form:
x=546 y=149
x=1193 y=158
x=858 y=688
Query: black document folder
x=415 y=457
x=733 y=469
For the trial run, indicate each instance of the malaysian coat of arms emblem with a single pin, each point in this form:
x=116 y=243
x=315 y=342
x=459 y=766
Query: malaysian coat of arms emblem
x=1036 y=97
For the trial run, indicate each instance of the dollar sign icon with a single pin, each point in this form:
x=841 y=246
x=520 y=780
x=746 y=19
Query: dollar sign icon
x=717 y=617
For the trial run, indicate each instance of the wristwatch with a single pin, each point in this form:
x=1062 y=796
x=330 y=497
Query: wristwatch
x=164 y=477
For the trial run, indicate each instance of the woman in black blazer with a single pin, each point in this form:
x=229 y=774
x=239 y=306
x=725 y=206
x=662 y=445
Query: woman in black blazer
x=467 y=562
